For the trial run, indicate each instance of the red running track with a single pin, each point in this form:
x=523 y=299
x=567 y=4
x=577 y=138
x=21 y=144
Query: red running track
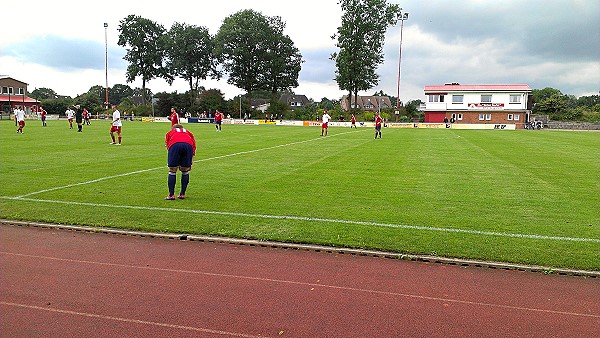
x=60 y=283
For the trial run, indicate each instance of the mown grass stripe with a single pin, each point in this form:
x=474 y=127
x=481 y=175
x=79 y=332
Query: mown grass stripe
x=315 y=219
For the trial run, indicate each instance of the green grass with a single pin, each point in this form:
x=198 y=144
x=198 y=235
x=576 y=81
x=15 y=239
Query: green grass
x=343 y=190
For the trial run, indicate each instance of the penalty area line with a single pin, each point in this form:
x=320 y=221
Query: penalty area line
x=163 y=167
x=316 y=219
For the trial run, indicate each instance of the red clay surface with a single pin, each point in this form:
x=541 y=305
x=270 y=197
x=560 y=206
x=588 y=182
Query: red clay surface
x=59 y=283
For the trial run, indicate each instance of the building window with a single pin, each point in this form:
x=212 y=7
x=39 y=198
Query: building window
x=457 y=98
x=20 y=91
x=460 y=116
x=515 y=99
x=517 y=117
x=7 y=90
x=488 y=117
x=436 y=98
x=481 y=117
x=510 y=117
x=486 y=98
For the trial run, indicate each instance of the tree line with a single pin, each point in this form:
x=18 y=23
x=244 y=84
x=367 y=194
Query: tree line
x=563 y=107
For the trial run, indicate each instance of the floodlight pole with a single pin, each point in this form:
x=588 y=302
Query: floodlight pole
x=403 y=16
x=106 y=62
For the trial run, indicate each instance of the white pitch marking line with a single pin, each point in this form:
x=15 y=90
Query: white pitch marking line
x=162 y=167
x=283 y=281
x=316 y=219
x=128 y=320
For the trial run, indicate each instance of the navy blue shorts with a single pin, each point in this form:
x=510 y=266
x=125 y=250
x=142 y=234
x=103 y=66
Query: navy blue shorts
x=181 y=154
x=378 y=128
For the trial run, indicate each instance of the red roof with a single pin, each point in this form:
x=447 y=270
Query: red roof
x=490 y=88
x=17 y=99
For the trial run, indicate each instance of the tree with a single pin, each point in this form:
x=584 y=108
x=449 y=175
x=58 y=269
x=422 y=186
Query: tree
x=588 y=101
x=551 y=106
x=212 y=99
x=254 y=51
x=145 y=42
x=90 y=100
x=57 y=106
x=284 y=61
x=190 y=55
x=119 y=92
x=43 y=93
x=540 y=95
x=360 y=40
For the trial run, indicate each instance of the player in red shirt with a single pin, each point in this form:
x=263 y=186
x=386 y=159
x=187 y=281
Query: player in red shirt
x=218 y=120
x=181 y=146
x=378 y=121
x=174 y=117
x=43 y=116
x=86 y=117
x=353 y=122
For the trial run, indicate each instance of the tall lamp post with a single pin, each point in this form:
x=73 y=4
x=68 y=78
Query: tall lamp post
x=403 y=16
x=106 y=61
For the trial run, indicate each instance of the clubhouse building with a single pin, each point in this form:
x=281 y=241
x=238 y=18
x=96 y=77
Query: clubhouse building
x=497 y=104
x=13 y=94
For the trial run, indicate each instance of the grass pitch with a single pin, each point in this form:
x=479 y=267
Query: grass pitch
x=529 y=197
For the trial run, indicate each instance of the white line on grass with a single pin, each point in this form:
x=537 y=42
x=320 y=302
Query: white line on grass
x=316 y=219
x=163 y=167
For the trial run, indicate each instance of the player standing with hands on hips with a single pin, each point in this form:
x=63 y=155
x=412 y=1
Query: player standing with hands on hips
x=116 y=125
x=181 y=146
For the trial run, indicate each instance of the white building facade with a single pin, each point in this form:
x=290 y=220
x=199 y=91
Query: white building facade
x=478 y=104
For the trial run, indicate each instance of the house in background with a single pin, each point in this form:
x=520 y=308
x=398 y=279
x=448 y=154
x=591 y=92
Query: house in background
x=478 y=104
x=367 y=103
x=291 y=100
x=13 y=94
x=294 y=101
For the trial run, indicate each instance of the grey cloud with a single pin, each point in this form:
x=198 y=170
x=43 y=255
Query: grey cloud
x=66 y=54
x=556 y=30
x=317 y=66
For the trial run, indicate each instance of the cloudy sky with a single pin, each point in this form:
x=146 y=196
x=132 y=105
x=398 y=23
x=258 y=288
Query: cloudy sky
x=60 y=44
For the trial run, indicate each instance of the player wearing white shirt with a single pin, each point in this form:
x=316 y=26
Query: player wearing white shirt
x=116 y=126
x=325 y=125
x=70 y=113
x=20 y=117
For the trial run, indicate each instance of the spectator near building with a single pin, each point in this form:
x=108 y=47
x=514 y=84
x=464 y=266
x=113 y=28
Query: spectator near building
x=478 y=104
